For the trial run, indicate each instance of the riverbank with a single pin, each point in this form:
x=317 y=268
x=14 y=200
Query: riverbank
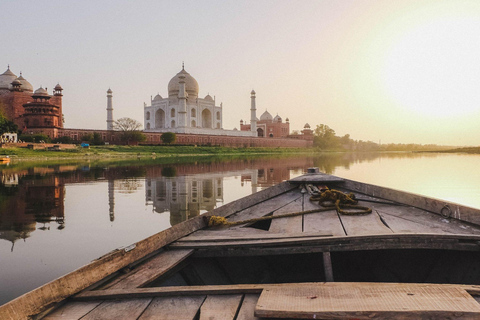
x=115 y=151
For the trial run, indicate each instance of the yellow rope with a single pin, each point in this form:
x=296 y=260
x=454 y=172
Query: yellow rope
x=329 y=200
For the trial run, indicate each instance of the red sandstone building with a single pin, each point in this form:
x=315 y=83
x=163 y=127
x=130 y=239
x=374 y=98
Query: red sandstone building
x=269 y=127
x=32 y=112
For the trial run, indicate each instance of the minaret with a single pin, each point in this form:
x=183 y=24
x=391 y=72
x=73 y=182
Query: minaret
x=182 y=102
x=109 y=110
x=253 y=112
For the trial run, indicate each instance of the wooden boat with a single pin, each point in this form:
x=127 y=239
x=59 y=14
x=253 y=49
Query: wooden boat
x=413 y=257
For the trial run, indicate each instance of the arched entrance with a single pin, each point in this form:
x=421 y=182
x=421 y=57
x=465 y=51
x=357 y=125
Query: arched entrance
x=260 y=132
x=206 y=119
x=159 y=119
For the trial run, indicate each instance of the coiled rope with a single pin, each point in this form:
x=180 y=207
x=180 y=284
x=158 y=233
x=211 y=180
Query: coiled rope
x=328 y=199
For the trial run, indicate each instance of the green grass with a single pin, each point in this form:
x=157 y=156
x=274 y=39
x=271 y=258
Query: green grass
x=115 y=151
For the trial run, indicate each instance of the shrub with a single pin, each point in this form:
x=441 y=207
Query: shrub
x=168 y=137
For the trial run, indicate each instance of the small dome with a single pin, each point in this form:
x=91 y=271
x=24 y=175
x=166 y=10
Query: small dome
x=306 y=126
x=16 y=82
x=157 y=97
x=208 y=97
x=287 y=120
x=253 y=92
x=277 y=118
x=6 y=79
x=191 y=85
x=40 y=92
x=59 y=87
x=266 y=116
x=26 y=86
x=109 y=90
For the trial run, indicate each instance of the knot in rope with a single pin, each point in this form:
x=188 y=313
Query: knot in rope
x=338 y=200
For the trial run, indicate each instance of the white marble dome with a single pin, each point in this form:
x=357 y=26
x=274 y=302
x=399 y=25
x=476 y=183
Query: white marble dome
x=277 y=118
x=266 y=116
x=6 y=79
x=191 y=85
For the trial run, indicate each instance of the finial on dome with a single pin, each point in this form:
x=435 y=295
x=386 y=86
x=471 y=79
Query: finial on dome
x=183 y=65
x=8 y=66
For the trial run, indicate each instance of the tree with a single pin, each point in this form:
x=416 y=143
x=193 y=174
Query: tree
x=324 y=137
x=130 y=132
x=7 y=125
x=168 y=137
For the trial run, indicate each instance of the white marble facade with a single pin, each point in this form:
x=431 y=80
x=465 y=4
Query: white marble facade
x=184 y=112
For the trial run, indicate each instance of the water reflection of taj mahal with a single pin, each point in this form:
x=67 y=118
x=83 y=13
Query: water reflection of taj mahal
x=185 y=196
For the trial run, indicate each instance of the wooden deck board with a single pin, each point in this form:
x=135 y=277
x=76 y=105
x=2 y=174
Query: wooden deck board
x=290 y=224
x=327 y=222
x=119 y=309
x=409 y=219
x=265 y=208
x=72 y=310
x=173 y=308
x=364 y=224
x=152 y=269
x=367 y=301
x=222 y=237
x=247 y=309
x=220 y=307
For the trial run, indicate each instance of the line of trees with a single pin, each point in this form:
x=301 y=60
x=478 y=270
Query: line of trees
x=326 y=139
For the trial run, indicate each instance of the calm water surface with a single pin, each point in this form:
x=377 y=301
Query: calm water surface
x=54 y=219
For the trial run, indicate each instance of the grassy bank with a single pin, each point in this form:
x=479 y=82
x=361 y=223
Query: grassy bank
x=113 y=151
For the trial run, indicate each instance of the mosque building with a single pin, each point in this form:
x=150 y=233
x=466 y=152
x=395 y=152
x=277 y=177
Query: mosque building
x=32 y=111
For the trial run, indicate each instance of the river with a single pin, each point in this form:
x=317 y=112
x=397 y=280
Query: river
x=55 y=218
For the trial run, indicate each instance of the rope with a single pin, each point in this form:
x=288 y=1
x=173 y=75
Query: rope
x=329 y=200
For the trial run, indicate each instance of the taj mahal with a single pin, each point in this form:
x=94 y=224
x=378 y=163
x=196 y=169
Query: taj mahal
x=185 y=112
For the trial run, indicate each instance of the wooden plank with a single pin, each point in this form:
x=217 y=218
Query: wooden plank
x=364 y=224
x=206 y=290
x=373 y=301
x=224 y=236
x=316 y=178
x=290 y=224
x=151 y=270
x=44 y=297
x=220 y=307
x=437 y=206
x=327 y=222
x=410 y=219
x=264 y=208
x=72 y=310
x=119 y=310
x=213 y=233
x=247 y=310
x=173 y=308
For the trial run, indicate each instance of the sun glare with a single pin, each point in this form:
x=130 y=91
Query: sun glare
x=433 y=69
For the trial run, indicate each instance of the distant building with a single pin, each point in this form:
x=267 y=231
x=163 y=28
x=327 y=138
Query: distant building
x=33 y=111
x=268 y=126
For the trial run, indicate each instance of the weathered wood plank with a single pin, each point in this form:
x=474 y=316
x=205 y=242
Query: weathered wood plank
x=290 y=224
x=213 y=233
x=136 y=293
x=72 y=310
x=437 y=206
x=151 y=270
x=44 y=297
x=327 y=221
x=264 y=208
x=365 y=224
x=173 y=308
x=220 y=307
x=316 y=178
x=119 y=310
x=373 y=301
x=247 y=310
x=248 y=236
x=410 y=219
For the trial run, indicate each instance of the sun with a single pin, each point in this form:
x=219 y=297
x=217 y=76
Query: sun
x=434 y=68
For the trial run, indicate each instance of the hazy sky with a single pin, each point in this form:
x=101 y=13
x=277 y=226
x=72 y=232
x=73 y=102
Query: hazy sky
x=395 y=71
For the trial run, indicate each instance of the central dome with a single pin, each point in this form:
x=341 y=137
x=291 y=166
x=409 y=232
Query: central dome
x=191 y=85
